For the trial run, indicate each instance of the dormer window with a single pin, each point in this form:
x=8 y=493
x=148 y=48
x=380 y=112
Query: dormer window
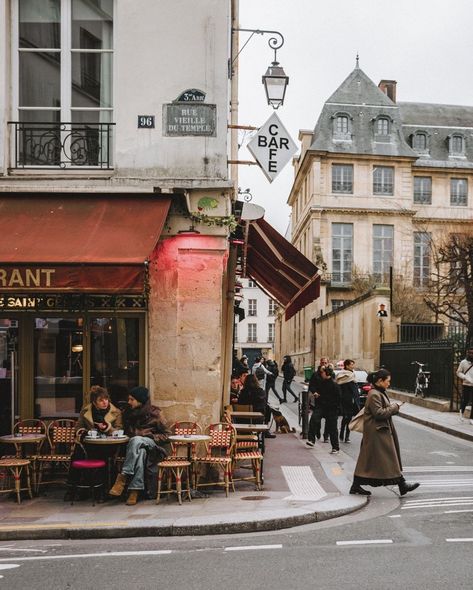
x=456 y=145
x=382 y=126
x=342 y=126
x=419 y=142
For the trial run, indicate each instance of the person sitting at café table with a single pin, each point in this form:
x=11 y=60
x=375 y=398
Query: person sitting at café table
x=100 y=414
x=254 y=395
x=148 y=431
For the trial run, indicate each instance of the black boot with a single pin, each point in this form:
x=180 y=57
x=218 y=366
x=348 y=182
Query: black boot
x=357 y=489
x=405 y=487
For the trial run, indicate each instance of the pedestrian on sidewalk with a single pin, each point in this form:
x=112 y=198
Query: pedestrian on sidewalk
x=273 y=368
x=148 y=431
x=465 y=372
x=379 y=462
x=253 y=394
x=350 y=397
x=289 y=372
x=326 y=405
x=260 y=371
x=315 y=379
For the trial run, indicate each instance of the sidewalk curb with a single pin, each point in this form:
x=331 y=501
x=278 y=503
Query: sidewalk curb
x=435 y=426
x=177 y=528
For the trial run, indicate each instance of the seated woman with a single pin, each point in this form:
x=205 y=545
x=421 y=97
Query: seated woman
x=100 y=414
x=253 y=394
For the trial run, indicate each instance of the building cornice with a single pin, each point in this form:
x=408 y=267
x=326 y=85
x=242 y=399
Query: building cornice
x=442 y=220
x=363 y=211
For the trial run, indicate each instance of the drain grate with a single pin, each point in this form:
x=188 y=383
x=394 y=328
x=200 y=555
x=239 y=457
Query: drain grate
x=253 y=498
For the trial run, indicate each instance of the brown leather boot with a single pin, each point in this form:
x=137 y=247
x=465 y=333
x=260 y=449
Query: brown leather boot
x=132 y=498
x=118 y=486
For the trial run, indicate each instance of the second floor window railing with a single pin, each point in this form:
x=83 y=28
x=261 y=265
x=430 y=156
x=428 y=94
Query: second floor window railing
x=62 y=145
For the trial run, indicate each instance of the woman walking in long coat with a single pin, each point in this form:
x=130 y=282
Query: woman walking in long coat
x=379 y=462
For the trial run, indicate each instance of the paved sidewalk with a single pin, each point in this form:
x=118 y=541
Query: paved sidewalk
x=296 y=491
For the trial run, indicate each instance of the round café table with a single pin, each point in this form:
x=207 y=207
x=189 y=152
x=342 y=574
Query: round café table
x=18 y=440
x=110 y=441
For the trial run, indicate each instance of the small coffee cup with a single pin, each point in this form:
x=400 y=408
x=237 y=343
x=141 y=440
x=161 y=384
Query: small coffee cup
x=92 y=433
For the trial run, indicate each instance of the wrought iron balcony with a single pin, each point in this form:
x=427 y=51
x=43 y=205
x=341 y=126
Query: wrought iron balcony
x=62 y=145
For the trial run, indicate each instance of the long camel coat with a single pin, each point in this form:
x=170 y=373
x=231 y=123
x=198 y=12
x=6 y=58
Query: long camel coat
x=380 y=457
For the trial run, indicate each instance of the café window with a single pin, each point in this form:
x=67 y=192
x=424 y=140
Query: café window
x=63 y=67
x=64 y=355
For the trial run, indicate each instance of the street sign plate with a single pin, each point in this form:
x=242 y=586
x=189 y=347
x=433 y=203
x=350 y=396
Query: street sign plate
x=272 y=147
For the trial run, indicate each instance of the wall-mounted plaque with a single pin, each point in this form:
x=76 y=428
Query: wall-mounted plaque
x=145 y=121
x=190 y=115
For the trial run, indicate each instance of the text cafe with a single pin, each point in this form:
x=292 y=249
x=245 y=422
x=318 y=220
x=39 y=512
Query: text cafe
x=74 y=299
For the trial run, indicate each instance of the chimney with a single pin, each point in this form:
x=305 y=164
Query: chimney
x=389 y=88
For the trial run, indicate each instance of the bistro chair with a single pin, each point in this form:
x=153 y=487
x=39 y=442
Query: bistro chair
x=62 y=438
x=178 y=463
x=247 y=458
x=243 y=441
x=86 y=474
x=12 y=470
x=218 y=454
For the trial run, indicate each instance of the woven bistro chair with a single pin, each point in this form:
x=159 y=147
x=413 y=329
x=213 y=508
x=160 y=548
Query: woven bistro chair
x=218 y=454
x=247 y=458
x=243 y=441
x=178 y=463
x=61 y=438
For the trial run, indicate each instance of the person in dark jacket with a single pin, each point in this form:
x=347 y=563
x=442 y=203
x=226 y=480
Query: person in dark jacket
x=327 y=404
x=270 y=384
x=148 y=431
x=316 y=379
x=289 y=373
x=253 y=394
x=350 y=397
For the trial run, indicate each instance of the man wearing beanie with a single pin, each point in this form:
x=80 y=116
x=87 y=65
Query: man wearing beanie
x=147 y=429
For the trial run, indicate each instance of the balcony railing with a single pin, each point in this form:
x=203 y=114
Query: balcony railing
x=62 y=145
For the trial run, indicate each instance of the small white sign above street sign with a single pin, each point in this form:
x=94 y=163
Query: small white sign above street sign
x=272 y=147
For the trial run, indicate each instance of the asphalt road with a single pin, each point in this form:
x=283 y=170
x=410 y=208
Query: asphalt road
x=422 y=541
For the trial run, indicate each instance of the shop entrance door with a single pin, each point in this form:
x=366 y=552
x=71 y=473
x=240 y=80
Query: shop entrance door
x=8 y=374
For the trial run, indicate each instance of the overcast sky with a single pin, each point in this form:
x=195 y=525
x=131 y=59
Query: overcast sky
x=426 y=45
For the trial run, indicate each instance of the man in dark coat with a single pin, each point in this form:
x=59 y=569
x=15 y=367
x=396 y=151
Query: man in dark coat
x=327 y=405
x=148 y=431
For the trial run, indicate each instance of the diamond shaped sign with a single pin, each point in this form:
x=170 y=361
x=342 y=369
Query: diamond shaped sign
x=272 y=147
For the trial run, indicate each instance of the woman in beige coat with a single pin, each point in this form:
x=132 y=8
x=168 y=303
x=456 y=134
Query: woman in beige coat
x=100 y=414
x=379 y=462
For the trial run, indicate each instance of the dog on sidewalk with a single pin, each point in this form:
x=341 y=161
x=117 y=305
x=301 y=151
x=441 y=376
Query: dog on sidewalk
x=280 y=421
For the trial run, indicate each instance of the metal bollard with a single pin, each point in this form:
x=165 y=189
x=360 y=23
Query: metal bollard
x=305 y=411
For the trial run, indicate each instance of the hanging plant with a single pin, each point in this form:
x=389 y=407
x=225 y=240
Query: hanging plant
x=223 y=221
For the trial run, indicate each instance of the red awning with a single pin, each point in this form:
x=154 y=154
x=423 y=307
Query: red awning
x=67 y=242
x=280 y=269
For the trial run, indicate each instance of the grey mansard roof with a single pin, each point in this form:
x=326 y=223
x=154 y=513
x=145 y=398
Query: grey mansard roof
x=363 y=102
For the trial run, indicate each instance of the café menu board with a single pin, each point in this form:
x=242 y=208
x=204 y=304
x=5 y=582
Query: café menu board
x=190 y=115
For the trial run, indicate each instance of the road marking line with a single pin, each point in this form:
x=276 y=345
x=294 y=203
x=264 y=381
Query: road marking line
x=8 y=566
x=435 y=505
x=89 y=555
x=20 y=549
x=395 y=516
x=439 y=499
x=465 y=540
x=252 y=547
x=366 y=542
x=439 y=468
x=456 y=511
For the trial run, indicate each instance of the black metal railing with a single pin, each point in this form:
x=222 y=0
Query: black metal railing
x=62 y=145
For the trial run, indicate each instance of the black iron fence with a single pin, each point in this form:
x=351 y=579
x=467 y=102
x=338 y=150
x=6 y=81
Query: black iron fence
x=420 y=332
x=438 y=357
x=62 y=145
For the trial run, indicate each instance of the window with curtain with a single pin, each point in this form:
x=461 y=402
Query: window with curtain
x=342 y=252
x=67 y=82
x=458 y=191
x=423 y=190
x=383 y=250
x=421 y=259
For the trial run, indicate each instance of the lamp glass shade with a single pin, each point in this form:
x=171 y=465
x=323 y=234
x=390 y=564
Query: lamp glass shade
x=275 y=83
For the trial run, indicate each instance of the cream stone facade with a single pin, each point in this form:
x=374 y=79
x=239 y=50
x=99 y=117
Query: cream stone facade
x=147 y=54
x=374 y=180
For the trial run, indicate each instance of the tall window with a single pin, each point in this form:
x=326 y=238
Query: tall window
x=342 y=252
x=252 y=333
x=383 y=180
x=421 y=258
x=65 y=54
x=342 y=178
x=382 y=126
x=272 y=307
x=423 y=189
x=383 y=248
x=458 y=191
x=252 y=307
x=270 y=332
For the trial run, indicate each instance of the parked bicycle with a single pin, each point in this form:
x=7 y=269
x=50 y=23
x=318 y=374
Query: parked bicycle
x=422 y=379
